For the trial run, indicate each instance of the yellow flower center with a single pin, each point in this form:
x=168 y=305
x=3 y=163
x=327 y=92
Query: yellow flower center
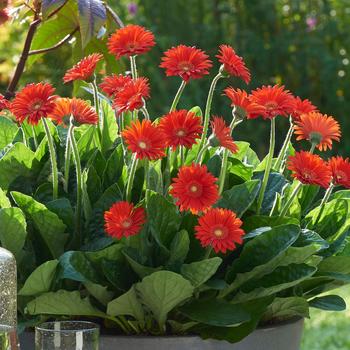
x=181 y=133
x=126 y=223
x=142 y=144
x=218 y=232
x=193 y=188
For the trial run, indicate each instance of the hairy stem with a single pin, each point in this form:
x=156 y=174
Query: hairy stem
x=133 y=67
x=290 y=200
x=67 y=158
x=97 y=106
x=132 y=172
x=324 y=201
x=177 y=96
x=279 y=165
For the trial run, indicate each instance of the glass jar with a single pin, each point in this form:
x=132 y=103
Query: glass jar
x=8 y=301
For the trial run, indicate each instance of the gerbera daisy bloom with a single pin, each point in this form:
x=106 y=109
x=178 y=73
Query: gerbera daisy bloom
x=195 y=188
x=84 y=69
x=310 y=169
x=4 y=16
x=132 y=96
x=318 y=128
x=187 y=62
x=275 y=99
x=124 y=220
x=340 y=168
x=130 y=41
x=81 y=111
x=220 y=229
x=33 y=102
x=144 y=139
x=181 y=128
x=233 y=64
x=302 y=107
x=112 y=84
x=244 y=106
x=222 y=135
x=4 y=104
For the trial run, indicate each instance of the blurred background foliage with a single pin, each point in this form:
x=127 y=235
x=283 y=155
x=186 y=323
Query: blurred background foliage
x=303 y=44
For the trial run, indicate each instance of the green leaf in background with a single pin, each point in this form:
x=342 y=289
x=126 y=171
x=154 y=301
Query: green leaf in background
x=163 y=219
x=4 y=201
x=88 y=142
x=110 y=128
x=258 y=252
x=77 y=267
x=179 y=248
x=17 y=162
x=215 y=312
x=328 y=303
x=283 y=277
x=50 y=227
x=13 y=230
x=257 y=221
x=92 y=15
x=200 y=271
x=162 y=291
x=114 y=167
x=238 y=169
x=48 y=6
x=62 y=303
x=8 y=131
x=94 y=185
x=99 y=292
x=245 y=154
x=127 y=304
x=40 y=280
x=240 y=197
x=63 y=209
x=287 y=308
x=113 y=252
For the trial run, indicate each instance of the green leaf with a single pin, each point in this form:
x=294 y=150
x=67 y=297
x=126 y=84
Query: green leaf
x=8 y=131
x=50 y=227
x=155 y=177
x=48 y=6
x=140 y=269
x=215 y=312
x=257 y=254
x=287 y=308
x=245 y=154
x=40 y=280
x=163 y=219
x=88 y=142
x=92 y=15
x=328 y=303
x=283 y=277
x=63 y=209
x=4 y=201
x=162 y=291
x=77 y=267
x=240 y=197
x=127 y=304
x=13 y=230
x=258 y=221
x=200 y=271
x=114 y=167
x=99 y=292
x=113 y=252
x=238 y=169
x=179 y=248
x=62 y=303
x=110 y=128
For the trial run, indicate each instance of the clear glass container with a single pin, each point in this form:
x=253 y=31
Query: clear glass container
x=8 y=301
x=67 y=335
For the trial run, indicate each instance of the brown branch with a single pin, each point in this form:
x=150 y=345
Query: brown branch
x=115 y=17
x=56 y=46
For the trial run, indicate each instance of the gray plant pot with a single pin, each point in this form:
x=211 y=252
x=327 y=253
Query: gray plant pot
x=285 y=336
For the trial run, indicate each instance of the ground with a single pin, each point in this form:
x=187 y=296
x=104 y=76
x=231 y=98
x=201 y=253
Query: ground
x=328 y=330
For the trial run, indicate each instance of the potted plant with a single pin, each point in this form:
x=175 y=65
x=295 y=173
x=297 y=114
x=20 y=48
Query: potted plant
x=164 y=229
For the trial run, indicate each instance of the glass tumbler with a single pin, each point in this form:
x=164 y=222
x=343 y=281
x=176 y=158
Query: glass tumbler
x=67 y=335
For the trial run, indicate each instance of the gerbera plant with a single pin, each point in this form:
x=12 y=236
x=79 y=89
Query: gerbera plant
x=147 y=223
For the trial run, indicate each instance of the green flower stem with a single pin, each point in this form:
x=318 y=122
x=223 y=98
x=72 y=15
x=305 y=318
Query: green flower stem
x=182 y=155
x=324 y=201
x=290 y=200
x=279 y=165
x=132 y=172
x=208 y=108
x=145 y=112
x=97 y=105
x=24 y=137
x=67 y=158
x=76 y=156
x=201 y=153
x=120 y=122
x=177 y=96
x=34 y=138
x=147 y=180
x=208 y=253
x=268 y=165
x=53 y=160
x=312 y=148
x=133 y=67
x=167 y=169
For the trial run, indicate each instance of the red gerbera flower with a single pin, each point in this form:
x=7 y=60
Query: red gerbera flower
x=222 y=135
x=186 y=62
x=132 y=96
x=220 y=229
x=275 y=99
x=4 y=104
x=181 y=128
x=4 y=16
x=84 y=69
x=340 y=168
x=124 y=220
x=144 y=139
x=33 y=102
x=131 y=40
x=302 y=107
x=233 y=64
x=310 y=169
x=114 y=83
x=81 y=111
x=244 y=106
x=195 y=188
x=318 y=128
